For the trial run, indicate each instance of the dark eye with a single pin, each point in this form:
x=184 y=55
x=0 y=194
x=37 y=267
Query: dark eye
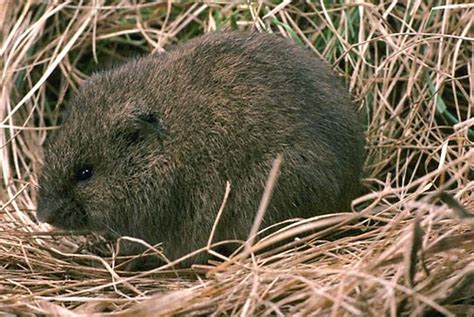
x=148 y=117
x=84 y=173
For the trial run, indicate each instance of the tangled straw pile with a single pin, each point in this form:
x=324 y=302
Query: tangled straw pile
x=409 y=250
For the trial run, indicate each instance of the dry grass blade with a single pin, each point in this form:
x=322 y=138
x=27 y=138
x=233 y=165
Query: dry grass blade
x=408 y=250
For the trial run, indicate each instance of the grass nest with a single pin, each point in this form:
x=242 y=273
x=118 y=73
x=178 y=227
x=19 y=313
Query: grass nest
x=407 y=247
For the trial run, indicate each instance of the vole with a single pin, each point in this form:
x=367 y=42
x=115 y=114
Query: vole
x=146 y=148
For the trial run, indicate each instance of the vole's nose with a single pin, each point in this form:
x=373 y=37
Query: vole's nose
x=44 y=212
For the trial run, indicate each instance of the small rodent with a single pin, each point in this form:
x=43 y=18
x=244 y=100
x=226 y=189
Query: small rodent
x=146 y=148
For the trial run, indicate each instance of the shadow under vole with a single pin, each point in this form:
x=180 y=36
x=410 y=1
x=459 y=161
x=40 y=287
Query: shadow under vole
x=146 y=148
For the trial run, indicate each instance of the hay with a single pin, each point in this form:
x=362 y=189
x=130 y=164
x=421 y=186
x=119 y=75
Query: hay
x=408 y=251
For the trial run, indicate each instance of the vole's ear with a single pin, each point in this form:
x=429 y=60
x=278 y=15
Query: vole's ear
x=141 y=126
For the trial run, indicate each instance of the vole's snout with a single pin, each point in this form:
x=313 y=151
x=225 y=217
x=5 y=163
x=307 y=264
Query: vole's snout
x=61 y=213
x=44 y=213
x=49 y=211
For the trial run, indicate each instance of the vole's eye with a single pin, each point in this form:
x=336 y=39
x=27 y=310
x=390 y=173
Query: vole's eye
x=84 y=173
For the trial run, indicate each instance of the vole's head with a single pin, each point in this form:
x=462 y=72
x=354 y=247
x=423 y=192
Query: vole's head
x=96 y=167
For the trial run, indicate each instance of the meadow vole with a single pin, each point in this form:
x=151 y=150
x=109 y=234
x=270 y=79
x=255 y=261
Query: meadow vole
x=146 y=148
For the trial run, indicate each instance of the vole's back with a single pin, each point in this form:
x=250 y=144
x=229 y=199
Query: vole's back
x=175 y=127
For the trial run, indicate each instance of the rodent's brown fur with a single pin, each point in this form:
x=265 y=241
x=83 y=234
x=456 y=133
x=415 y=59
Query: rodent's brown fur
x=162 y=135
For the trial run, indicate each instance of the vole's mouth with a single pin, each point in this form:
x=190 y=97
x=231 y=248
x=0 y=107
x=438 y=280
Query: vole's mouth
x=62 y=217
x=70 y=223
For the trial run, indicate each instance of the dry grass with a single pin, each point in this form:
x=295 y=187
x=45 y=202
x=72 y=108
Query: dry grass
x=410 y=250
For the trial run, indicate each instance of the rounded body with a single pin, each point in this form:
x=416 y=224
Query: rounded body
x=146 y=148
